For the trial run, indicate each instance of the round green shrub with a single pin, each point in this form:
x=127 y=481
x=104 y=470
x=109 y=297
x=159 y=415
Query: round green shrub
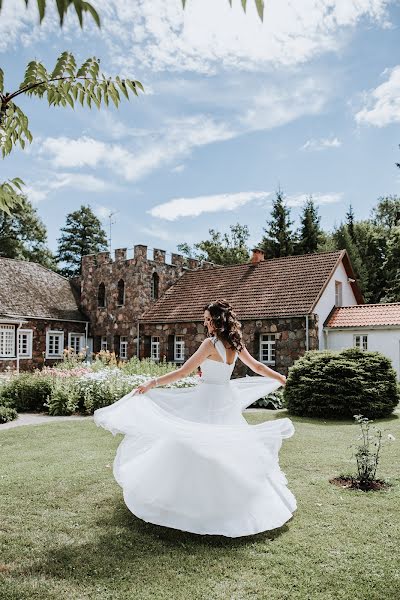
x=7 y=414
x=26 y=392
x=342 y=384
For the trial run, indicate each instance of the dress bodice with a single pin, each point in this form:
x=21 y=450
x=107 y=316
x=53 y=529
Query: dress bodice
x=214 y=371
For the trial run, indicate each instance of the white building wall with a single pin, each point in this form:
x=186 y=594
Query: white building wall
x=386 y=341
x=327 y=300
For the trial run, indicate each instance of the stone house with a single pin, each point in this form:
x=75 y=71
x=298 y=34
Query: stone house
x=115 y=294
x=39 y=316
x=148 y=307
x=282 y=304
x=368 y=327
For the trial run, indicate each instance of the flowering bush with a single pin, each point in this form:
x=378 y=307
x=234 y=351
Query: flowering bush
x=108 y=385
x=74 y=385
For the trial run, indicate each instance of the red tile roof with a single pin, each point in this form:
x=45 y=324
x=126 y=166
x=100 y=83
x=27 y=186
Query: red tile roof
x=366 y=315
x=30 y=290
x=272 y=288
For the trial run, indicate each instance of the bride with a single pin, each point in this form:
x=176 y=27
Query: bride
x=189 y=460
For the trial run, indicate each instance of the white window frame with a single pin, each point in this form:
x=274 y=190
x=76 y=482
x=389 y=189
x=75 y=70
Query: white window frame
x=338 y=293
x=155 y=347
x=179 y=348
x=103 y=343
x=362 y=342
x=123 y=347
x=7 y=341
x=29 y=342
x=81 y=337
x=267 y=346
x=56 y=334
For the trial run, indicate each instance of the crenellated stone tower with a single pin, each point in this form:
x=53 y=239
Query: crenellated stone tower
x=115 y=293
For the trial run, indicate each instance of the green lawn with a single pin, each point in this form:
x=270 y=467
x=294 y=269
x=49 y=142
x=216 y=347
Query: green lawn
x=66 y=533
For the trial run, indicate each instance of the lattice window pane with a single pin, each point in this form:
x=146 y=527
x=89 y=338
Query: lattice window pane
x=7 y=340
x=123 y=347
x=179 y=348
x=155 y=348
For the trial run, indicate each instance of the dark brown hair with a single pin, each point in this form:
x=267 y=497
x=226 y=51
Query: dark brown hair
x=227 y=327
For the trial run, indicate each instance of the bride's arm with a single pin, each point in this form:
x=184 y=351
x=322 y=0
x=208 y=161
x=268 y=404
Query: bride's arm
x=259 y=367
x=190 y=365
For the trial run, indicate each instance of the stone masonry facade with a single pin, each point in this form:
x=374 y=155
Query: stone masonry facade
x=143 y=281
x=289 y=334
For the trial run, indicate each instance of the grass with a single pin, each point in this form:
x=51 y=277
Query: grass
x=66 y=533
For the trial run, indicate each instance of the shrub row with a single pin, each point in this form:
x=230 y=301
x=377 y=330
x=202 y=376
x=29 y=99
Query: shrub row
x=59 y=394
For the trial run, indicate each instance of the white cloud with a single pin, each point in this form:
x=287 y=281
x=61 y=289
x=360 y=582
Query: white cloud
x=178 y=169
x=321 y=144
x=177 y=140
x=382 y=105
x=274 y=106
x=39 y=190
x=210 y=35
x=193 y=207
x=296 y=200
x=102 y=212
x=158 y=233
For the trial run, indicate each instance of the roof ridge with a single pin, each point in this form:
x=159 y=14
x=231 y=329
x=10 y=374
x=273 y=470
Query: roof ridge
x=32 y=262
x=368 y=305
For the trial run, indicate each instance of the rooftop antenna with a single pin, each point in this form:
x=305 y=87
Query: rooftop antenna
x=111 y=223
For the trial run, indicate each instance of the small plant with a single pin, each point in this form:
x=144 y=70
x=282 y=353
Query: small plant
x=7 y=414
x=367 y=454
x=367 y=450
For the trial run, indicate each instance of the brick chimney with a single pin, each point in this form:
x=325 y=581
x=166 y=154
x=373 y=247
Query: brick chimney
x=257 y=256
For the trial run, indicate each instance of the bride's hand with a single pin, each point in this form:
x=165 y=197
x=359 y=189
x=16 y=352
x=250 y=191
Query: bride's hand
x=282 y=379
x=145 y=387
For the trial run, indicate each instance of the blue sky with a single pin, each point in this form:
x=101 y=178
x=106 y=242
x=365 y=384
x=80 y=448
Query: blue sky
x=309 y=100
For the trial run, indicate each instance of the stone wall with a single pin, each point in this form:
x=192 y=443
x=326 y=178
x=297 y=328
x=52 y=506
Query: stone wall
x=290 y=336
x=39 y=328
x=115 y=320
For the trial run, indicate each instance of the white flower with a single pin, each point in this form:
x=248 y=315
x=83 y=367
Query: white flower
x=391 y=437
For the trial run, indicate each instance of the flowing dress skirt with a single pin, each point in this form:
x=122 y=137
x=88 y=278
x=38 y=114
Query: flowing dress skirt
x=189 y=460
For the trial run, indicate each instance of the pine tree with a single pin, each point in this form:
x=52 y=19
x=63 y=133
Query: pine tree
x=83 y=234
x=343 y=241
x=279 y=239
x=310 y=234
x=392 y=266
x=23 y=236
x=350 y=222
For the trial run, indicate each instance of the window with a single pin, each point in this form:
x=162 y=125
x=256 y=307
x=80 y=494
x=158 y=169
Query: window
x=338 y=293
x=179 y=348
x=7 y=341
x=155 y=348
x=267 y=349
x=123 y=347
x=361 y=342
x=103 y=343
x=101 y=296
x=154 y=286
x=25 y=343
x=121 y=293
x=54 y=344
x=76 y=341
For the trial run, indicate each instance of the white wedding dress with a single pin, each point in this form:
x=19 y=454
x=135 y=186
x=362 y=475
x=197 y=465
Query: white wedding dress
x=189 y=460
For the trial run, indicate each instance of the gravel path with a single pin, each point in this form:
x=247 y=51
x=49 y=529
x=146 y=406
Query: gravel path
x=38 y=419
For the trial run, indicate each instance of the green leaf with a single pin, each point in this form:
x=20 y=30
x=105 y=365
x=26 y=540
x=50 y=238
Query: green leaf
x=42 y=9
x=260 y=8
